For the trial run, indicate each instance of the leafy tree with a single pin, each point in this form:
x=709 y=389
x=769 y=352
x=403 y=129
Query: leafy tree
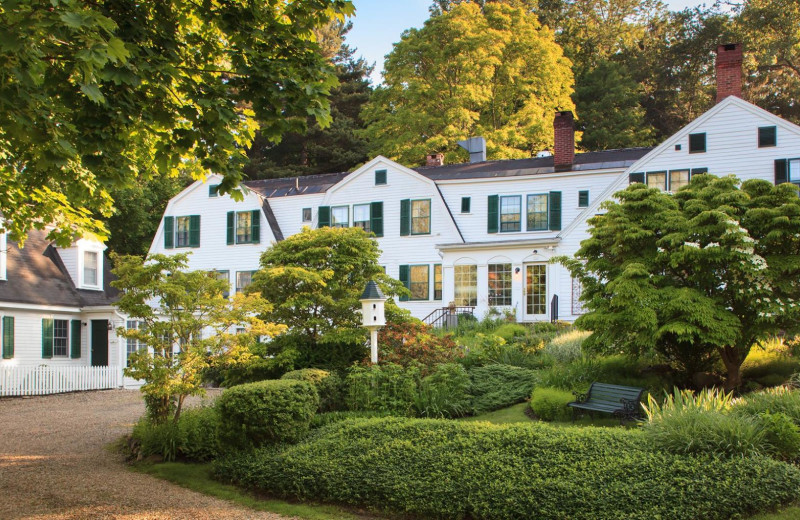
x=770 y=30
x=700 y=275
x=608 y=101
x=187 y=325
x=338 y=147
x=103 y=93
x=315 y=279
x=494 y=72
x=137 y=213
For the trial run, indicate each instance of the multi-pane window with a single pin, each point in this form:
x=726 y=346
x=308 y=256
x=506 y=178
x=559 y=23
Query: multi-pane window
x=306 y=214
x=419 y=282
x=420 y=217
x=678 y=179
x=437 y=282
x=340 y=216
x=466 y=285
x=243 y=279
x=225 y=277
x=60 y=337
x=697 y=143
x=511 y=213
x=657 y=180
x=793 y=170
x=499 y=284
x=90 y=263
x=537 y=212
x=767 y=136
x=182 y=226
x=244 y=227
x=361 y=216
x=536 y=289
x=133 y=345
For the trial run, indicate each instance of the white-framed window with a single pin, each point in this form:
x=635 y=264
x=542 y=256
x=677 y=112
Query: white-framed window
x=421 y=217
x=340 y=216
x=306 y=214
x=91 y=264
x=538 y=212
x=499 y=284
x=361 y=216
x=60 y=338
x=243 y=279
x=182 y=228
x=244 y=227
x=226 y=277
x=133 y=345
x=466 y=285
x=419 y=282
x=510 y=213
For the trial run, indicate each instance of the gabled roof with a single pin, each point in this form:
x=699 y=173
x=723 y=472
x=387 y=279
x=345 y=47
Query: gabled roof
x=36 y=275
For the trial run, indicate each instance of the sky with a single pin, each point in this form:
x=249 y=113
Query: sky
x=380 y=23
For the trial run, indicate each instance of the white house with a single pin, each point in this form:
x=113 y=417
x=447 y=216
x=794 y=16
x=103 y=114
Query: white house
x=58 y=318
x=480 y=234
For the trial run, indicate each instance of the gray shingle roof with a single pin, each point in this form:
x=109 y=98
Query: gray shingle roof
x=36 y=275
x=289 y=186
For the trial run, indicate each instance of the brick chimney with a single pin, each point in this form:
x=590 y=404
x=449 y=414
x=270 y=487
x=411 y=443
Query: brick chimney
x=564 y=149
x=729 y=71
x=434 y=159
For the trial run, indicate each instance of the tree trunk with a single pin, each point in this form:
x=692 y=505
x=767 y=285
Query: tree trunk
x=733 y=364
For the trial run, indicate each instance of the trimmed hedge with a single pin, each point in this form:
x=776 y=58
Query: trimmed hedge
x=265 y=412
x=550 y=404
x=498 y=386
x=449 y=469
x=327 y=384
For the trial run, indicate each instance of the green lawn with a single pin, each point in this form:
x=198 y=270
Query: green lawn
x=516 y=414
x=197 y=477
x=790 y=513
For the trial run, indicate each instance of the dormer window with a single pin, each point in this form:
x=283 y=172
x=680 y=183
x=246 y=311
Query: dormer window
x=90 y=268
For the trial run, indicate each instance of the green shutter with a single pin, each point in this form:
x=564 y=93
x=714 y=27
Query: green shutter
x=698 y=171
x=75 y=339
x=493 y=214
x=169 y=232
x=404 y=280
x=8 y=337
x=324 y=217
x=380 y=177
x=231 y=230
x=555 y=210
x=47 y=338
x=376 y=218
x=194 y=231
x=405 y=217
x=465 y=204
x=636 y=177
x=781 y=171
x=255 y=226
x=583 y=199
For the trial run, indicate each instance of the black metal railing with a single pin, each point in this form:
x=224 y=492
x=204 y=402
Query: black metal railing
x=447 y=316
x=554 y=309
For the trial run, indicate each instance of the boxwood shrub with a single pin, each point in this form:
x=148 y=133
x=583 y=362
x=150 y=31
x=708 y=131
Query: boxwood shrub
x=448 y=469
x=550 y=404
x=327 y=384
x=265 y=412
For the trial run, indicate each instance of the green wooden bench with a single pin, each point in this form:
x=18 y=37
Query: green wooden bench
x=620 y=401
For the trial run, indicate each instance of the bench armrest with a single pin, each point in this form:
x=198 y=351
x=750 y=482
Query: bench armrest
x=580 y=398
x=630 y=406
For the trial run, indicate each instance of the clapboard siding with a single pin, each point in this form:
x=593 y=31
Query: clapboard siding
x=214 y=252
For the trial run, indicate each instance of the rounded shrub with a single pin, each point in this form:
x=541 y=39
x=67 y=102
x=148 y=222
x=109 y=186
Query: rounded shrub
x=327 y=384
x=550 y=404
x=266 y=412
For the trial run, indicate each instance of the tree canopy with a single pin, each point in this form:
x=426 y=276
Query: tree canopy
x=100 y=94
x=700 y=275
x=494 y=72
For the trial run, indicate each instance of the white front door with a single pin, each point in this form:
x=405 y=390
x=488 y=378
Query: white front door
x=535 y=292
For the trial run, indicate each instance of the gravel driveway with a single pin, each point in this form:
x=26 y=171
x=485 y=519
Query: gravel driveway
x=54 y=464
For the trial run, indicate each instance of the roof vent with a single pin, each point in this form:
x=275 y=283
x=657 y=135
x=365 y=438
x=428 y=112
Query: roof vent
x=476 y=146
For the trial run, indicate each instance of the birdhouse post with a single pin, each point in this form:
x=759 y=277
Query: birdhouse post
x=372 y=315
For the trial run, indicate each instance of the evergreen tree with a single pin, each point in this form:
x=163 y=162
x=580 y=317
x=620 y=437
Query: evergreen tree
x=339 y=147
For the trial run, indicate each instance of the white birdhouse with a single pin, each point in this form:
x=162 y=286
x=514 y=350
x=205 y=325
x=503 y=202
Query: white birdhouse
x=372 y=311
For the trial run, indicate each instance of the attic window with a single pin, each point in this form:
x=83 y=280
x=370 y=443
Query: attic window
x=697 y=143
x=212 y=190
x=380 y=177
x=767 y=136
x=90 y=265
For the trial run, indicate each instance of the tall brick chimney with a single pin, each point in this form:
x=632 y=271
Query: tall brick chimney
x=729 y=70
x=564 y=149
x=434 y=159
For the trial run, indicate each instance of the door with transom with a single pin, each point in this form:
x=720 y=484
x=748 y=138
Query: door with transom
x=535 y=292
